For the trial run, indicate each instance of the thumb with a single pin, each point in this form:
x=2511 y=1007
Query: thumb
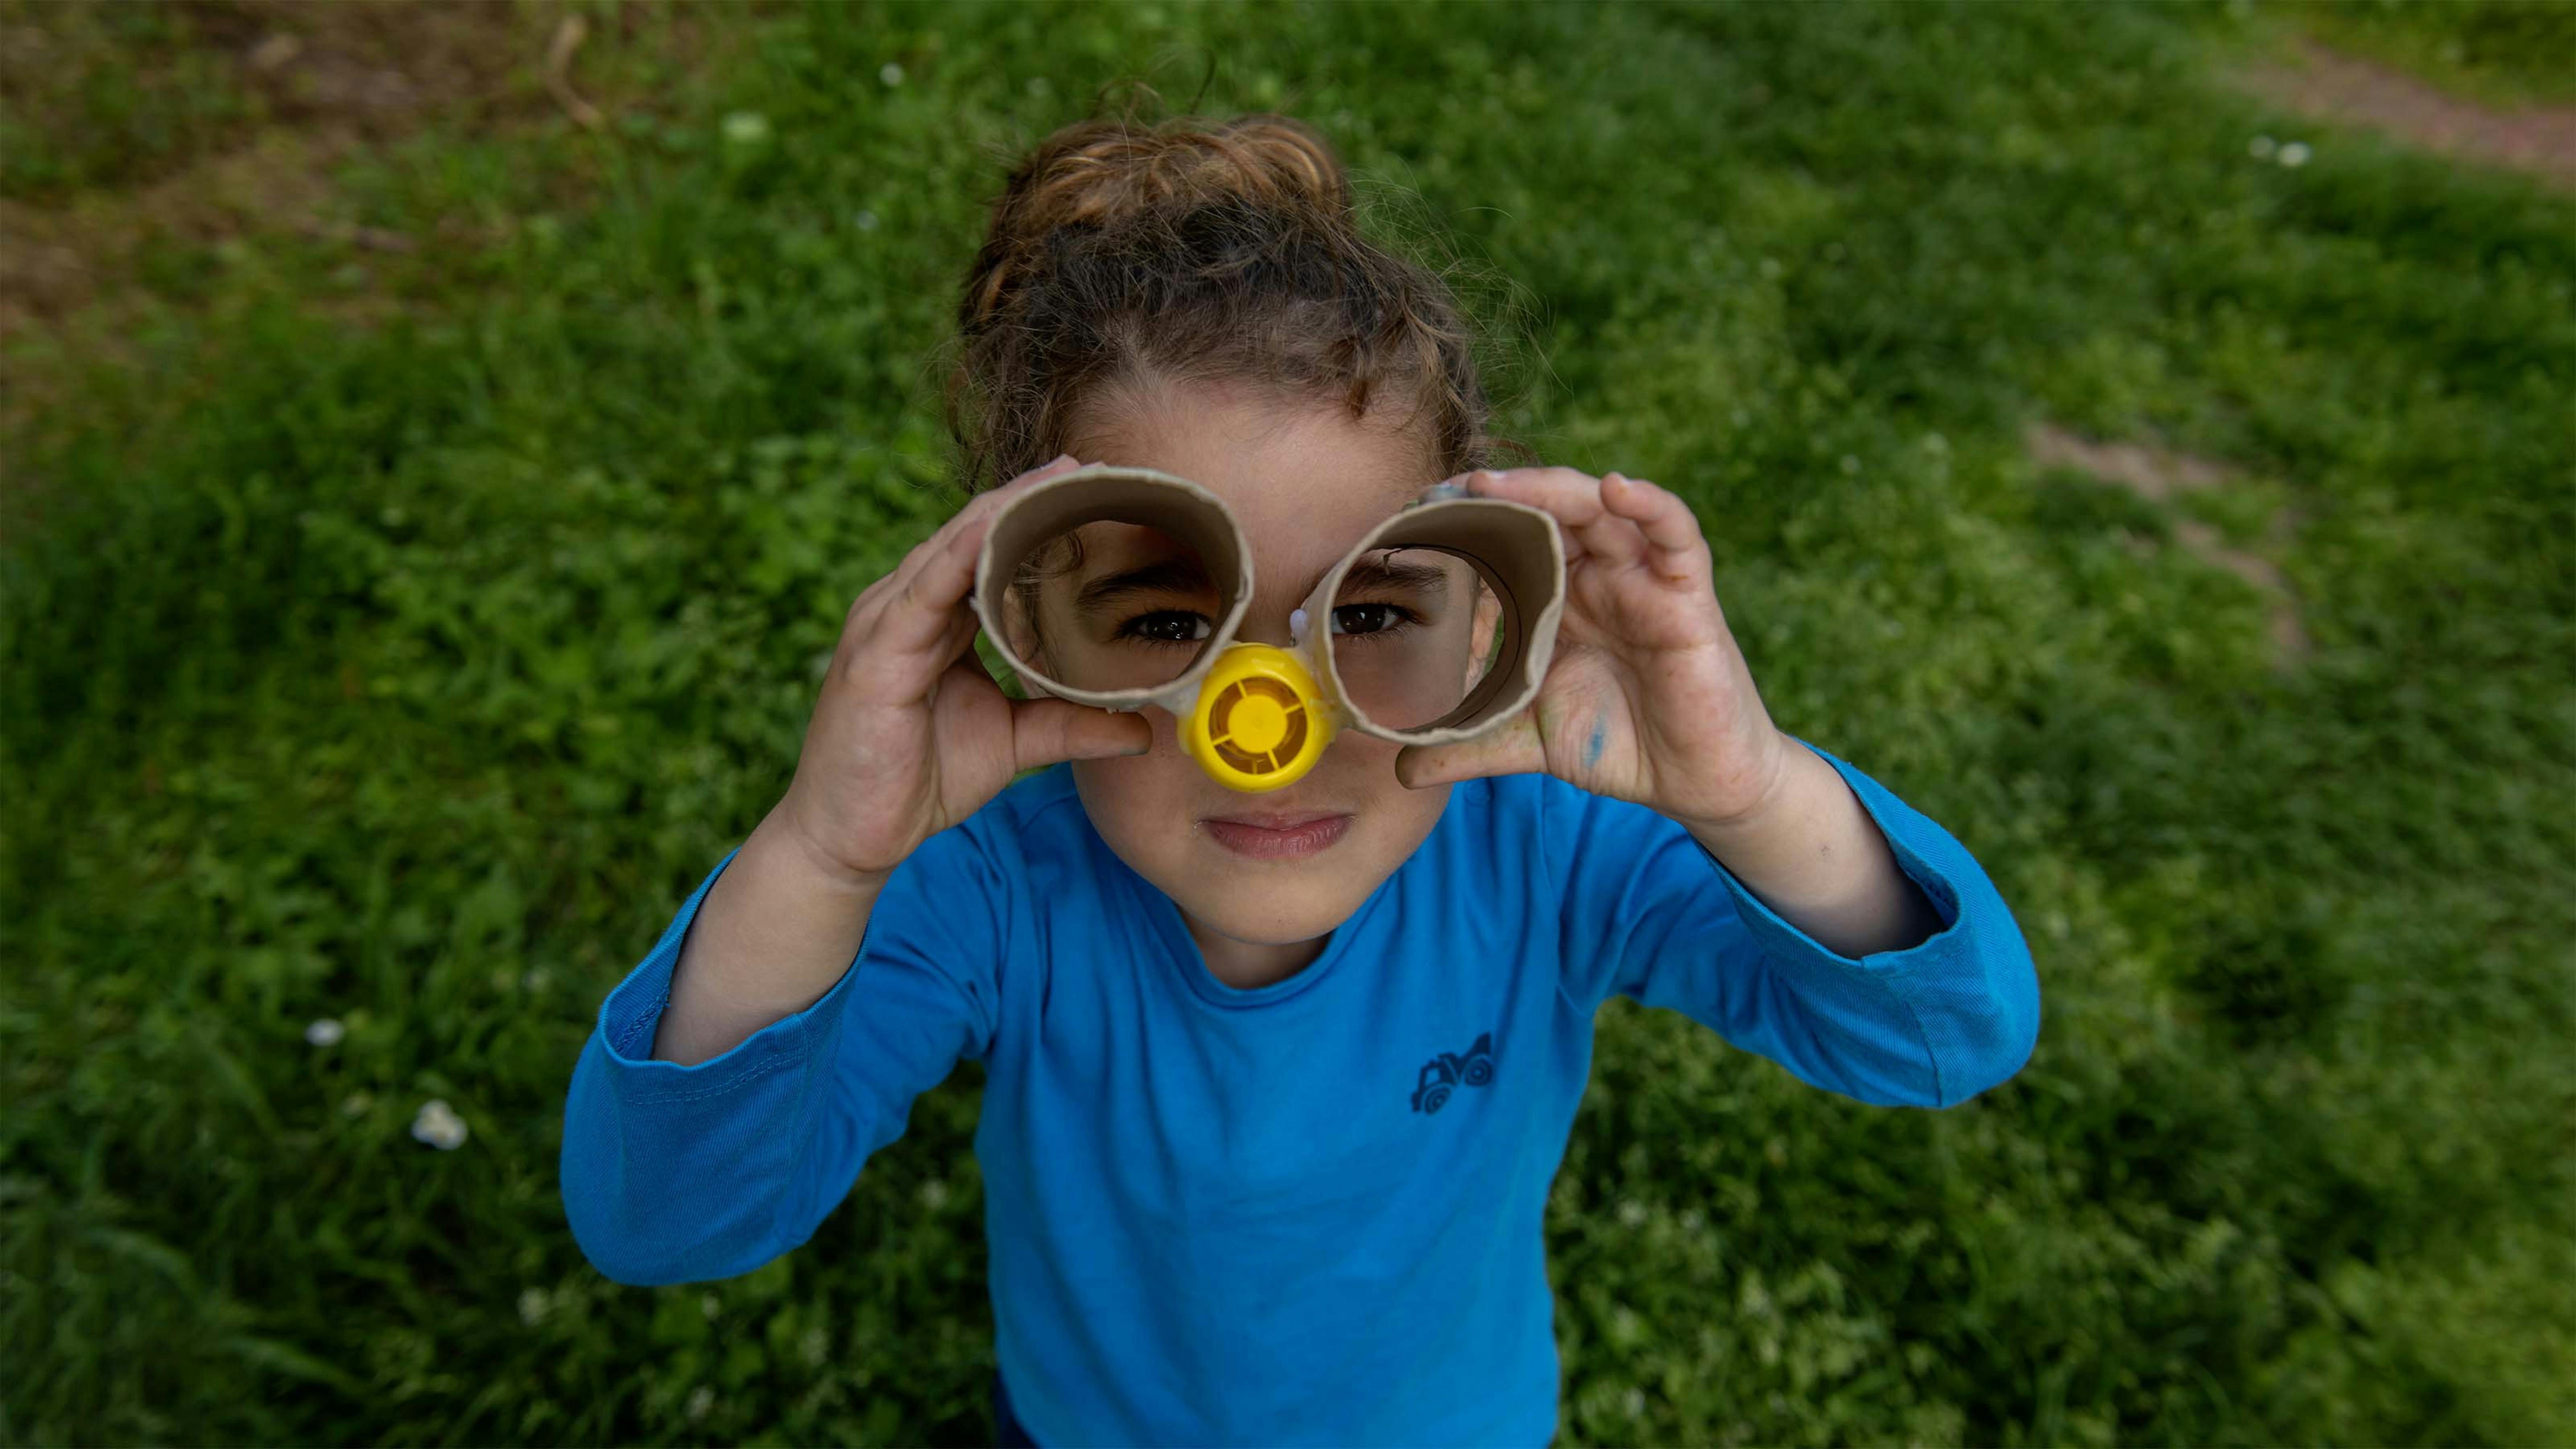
x=1514 y=749
x=1044 y=731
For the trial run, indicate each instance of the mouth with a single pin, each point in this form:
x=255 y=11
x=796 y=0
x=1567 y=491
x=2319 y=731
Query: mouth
x=1278 y=836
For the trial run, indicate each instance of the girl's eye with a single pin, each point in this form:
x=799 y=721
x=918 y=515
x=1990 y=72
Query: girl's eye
x=1369 y=618
x=1166 y=626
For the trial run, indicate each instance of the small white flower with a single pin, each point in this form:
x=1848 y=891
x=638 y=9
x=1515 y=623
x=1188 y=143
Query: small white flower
x=324 y=1032
x=1634 y=1401
x=438 y=1125
x=2295 y=154
x=532 y=1306
x=2261 y=148
x=1632 y=1213
x=710 y=1305
x=867 y=221
x=934 y=1194
x=890 y=73
x=701 y=1399
x=746 y=128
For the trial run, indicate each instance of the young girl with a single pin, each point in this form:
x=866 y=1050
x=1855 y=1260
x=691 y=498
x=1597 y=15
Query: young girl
x=1276 y=1084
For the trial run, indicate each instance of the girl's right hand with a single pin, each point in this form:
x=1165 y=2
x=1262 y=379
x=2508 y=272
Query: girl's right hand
x=911 y=735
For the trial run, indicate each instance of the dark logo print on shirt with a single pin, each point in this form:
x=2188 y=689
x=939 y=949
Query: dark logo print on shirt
x=1450 y=1070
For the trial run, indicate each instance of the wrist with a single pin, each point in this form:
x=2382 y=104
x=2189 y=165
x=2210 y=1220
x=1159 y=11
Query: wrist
x=783 y=841
x=1783 y=779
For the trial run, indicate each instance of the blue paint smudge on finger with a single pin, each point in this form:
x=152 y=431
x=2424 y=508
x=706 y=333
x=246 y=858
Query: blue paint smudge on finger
x=1592 y=746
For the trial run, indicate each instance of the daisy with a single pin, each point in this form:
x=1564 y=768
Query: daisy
x=439 y=1126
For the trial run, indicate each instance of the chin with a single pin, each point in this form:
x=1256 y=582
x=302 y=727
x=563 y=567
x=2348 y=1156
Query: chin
x=1280 y=914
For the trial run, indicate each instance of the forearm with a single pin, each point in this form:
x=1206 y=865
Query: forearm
x=1812 y=854
x=775 y=932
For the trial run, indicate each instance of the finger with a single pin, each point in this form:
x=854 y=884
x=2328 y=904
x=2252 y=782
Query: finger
x=1679 y=551
x=1613 y=539
x=960 y=638
x=892 y=617
x=933 y=581
x=1575 y=498
x=1570 y=505
x=927 y=601
x=1572 y=495
x=1044 y=731
x=975 y=518
x=1514 y=749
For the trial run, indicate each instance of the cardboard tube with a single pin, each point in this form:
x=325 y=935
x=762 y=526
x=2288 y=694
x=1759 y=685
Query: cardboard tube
x=1517 y=549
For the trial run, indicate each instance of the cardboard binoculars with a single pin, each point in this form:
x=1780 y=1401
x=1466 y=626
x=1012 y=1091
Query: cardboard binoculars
x=1122 y=586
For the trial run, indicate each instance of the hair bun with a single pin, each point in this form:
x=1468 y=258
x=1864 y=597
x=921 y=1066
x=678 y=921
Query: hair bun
x=1107 y=171
x=1110 y=172
x=1125 y=253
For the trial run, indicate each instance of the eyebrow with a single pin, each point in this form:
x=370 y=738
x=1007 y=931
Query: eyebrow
x=1380 y=572
x=1163 y=576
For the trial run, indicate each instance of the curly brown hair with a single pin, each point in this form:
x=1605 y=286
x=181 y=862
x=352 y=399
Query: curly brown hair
x=1124 y=254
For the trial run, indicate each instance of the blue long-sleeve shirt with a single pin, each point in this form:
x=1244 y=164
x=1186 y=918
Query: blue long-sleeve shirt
x=1308 y=1213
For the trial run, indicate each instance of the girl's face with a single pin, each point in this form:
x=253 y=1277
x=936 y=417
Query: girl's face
x=1291 y=864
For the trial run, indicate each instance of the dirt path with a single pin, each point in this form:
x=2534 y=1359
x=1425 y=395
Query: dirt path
x=2330 y=85
x=2157 y=475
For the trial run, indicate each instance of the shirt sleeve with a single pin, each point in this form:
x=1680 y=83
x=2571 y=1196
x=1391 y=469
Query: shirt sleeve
x=1650 y=914
x=673 y=1174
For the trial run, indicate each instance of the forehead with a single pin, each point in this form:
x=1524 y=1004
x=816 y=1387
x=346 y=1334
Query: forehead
x=1306 y=480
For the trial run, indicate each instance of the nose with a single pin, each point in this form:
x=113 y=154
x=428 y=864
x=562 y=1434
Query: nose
x=1277 y=625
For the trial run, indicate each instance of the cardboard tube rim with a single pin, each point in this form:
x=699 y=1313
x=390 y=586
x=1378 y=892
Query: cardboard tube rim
x=1530 y=634
x=1194 y=501
x=1530 y=638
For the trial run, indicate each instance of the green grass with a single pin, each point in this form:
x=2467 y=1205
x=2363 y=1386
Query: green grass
x=400 y=645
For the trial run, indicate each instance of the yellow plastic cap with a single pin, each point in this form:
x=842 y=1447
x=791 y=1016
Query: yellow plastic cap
x=1260 y=721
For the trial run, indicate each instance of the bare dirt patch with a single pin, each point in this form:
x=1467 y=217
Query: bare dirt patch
x=318 y=82
x=2536 y=140
x=224 y=126
x=2159 y=475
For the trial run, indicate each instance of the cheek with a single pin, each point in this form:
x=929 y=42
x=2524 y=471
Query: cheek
x=1141 y=802
x=1365 y=765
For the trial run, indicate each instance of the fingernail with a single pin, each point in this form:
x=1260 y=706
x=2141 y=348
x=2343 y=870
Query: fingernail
x=1061 y=458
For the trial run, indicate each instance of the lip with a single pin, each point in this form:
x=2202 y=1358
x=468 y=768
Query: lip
x=1278 y=835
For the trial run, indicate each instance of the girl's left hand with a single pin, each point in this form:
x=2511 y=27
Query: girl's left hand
x=1647 y=699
